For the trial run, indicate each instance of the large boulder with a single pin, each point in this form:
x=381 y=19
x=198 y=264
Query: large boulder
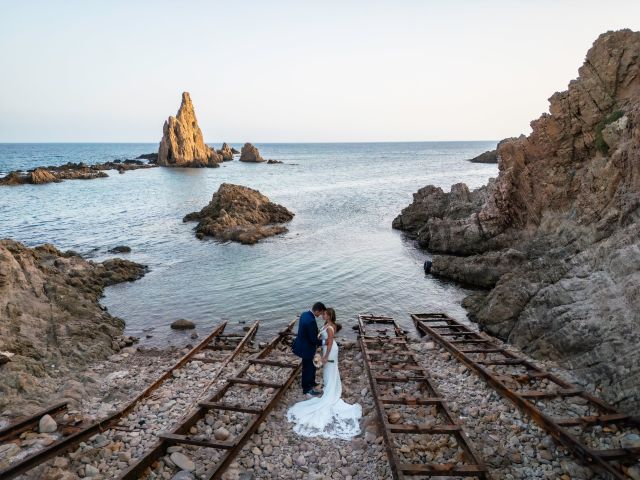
x=250 y=153
x=182 y=144
x=240 y=214
x=555 y=237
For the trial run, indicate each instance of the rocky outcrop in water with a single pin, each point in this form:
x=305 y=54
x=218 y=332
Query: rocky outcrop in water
x=250 y=153
x=50 y=318
x=226 y=152
x=240 y=214
x=70 y=171
x=182 y=144
x=556 y=236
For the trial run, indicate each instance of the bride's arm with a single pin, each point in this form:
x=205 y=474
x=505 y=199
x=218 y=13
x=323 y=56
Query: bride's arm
x=325 y=358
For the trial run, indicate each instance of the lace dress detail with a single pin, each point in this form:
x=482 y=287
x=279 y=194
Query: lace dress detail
x=327 y=416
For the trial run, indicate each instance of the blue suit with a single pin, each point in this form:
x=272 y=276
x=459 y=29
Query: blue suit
x=305 y=346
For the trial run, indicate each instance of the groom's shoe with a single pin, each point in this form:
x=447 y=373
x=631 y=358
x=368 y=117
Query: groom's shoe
x=314 y=392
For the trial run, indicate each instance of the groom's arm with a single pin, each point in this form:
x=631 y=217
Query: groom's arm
x=309 y=332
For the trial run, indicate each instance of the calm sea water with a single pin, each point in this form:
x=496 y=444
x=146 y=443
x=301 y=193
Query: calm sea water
x=340 y=248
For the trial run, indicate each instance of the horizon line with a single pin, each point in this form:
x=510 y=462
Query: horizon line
x=242 y=142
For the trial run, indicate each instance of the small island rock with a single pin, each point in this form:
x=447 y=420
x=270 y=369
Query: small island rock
x=239 y=214
x=226 y=152
x=250 y=153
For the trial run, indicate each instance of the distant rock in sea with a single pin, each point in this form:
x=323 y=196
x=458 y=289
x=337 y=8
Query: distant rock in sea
x=239 y=214
x=70 y=171
x=226 y=152
x=490 y=156
x=50 y=316
x=182 y=144
x=250 y=153
x=555 y=237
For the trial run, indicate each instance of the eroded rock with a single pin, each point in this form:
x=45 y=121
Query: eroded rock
x=251 y=154
x=240 y=214
x=182 y=144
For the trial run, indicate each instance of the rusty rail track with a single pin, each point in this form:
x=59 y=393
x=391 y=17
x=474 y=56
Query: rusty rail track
x=485 y=357
x=228 y=449
x=73 y=434
x=390 y=362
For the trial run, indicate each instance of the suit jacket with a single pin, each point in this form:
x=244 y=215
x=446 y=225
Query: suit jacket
x=307 y=341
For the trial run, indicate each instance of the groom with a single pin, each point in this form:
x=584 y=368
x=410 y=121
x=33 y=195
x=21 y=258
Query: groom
x=306 y=344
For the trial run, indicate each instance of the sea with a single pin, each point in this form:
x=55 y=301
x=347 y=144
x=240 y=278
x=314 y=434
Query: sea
x=340 y=248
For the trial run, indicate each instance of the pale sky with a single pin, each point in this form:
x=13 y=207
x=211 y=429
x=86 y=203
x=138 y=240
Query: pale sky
x=291 y=71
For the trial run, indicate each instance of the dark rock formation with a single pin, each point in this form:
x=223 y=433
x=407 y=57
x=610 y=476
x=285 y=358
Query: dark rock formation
x=239 y=214
x=234 y=151
x=151 y=157
x=182 y=144
x=490 y=156
x=50 y=318
x=274 y=162
x=226 y=152
x=555 y=236
x=250 y=154
x=183 y=324
x=120 y=249
x=70 y=171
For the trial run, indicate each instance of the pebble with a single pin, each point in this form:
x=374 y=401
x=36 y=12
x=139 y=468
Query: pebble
x=221 y=434
x=91 y=471
x=47 y=424
x=182 y=461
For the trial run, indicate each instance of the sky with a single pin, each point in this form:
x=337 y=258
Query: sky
x=291 y=71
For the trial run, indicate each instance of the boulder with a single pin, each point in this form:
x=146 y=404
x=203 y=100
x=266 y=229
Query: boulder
x=120 y=249
x=554 y=238
x=239 y=214
x=182 y=144
x=490 y=156
x=183 y=324
x=250 y=153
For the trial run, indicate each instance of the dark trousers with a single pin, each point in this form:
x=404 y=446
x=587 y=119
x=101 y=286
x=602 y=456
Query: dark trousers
x=308 y=374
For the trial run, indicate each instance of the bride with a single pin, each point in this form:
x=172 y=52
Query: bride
x=327 y=416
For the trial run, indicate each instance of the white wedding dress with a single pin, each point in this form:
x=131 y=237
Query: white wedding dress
x=327 y=416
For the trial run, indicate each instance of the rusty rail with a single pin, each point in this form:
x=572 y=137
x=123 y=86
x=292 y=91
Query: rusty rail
x=78 y=433
x=228 y=448
x=472 y=349
x=388 y=360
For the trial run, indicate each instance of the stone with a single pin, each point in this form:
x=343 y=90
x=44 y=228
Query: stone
x=250 y=153
x=40 y=176
x=91 y=471
x=300 y=460
x=182 y=461
x=47 y=424
x=394 y=417
x=183 y=324
x=240 y=214
x=630 y=440
x=553 y=239
x=183 y=475
x=182 y=143
x=120 y=249
x=221 y=434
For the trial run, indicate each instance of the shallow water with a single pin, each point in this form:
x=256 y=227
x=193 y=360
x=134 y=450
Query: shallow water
x=340 y=248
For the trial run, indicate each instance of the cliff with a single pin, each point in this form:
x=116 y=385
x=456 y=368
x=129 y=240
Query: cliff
x=239 y=214
x=555 y=236
x=182 y=144
x=50 y=319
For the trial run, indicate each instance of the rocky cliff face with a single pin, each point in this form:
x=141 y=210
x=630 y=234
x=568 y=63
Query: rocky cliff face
x=226 y=152
x=50 y=319
x=240 y=214
x=182 y=144
x=556 y=236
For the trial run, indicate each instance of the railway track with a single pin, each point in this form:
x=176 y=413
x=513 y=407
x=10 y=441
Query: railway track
x=409 y=406
x=216 y=350
x=565 y=411
x=235 y=410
